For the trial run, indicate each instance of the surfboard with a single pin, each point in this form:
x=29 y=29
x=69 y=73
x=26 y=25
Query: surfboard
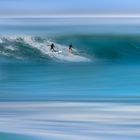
x=56 y=52
x=59 y=51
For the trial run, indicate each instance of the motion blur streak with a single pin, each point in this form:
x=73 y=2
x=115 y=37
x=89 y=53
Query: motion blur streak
x=85 y=121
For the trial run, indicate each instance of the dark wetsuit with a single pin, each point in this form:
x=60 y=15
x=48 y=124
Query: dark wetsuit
x=52 y=47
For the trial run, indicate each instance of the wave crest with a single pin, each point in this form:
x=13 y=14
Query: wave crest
x=26 y=47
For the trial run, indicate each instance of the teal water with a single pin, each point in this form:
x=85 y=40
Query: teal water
x=68 y=96
x=7 y=136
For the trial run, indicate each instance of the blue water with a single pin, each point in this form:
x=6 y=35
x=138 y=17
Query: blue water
x=91 y=94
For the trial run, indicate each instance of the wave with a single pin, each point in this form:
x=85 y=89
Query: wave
x=107 y=47
x=36 y=47
x=88 y=48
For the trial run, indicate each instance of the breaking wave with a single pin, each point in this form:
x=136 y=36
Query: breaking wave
x=86 y=48
x=37 y=47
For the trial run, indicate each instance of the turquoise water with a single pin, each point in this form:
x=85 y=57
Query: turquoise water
x=93 y=93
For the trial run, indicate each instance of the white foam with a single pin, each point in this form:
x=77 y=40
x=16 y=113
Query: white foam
x=12 y=48
x=1 y=41
x=4 y=53
x=63 y=56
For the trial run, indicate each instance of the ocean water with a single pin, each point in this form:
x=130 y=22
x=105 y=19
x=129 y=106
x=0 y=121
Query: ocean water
x=91 y=94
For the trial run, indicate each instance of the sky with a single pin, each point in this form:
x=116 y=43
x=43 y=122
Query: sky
x=69 y=7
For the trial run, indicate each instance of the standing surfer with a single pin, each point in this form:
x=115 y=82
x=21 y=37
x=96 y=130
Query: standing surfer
x=52 y=46
x=54 y=49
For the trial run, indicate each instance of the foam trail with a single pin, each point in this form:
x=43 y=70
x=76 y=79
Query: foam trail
x=68 y=121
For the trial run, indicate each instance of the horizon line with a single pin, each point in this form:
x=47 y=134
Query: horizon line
x=76 y=16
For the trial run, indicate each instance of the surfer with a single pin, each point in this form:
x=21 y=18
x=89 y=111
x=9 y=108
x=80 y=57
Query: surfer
x=52 y=47
x=70 y=48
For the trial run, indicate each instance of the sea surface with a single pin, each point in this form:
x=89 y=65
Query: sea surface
x=91 y=94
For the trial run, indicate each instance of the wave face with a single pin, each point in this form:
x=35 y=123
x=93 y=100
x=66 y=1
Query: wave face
x=110 y=47
x=36 y=47
x=87 y=48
